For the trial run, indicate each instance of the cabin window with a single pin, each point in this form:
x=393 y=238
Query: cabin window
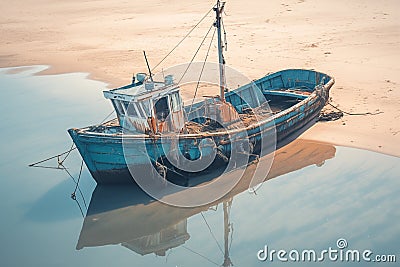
x=130 y=109
x=139 y=108
x=161 y=108
x=176 y=102
x=126 y=105
x=145 y=104
x=118 y=107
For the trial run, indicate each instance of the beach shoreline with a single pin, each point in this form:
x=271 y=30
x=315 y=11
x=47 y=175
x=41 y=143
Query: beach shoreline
x=357 y=43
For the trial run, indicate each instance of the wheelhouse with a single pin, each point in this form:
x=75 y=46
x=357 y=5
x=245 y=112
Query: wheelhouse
x=148 y=106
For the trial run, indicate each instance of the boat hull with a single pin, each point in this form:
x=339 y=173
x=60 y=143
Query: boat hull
x=104 y=153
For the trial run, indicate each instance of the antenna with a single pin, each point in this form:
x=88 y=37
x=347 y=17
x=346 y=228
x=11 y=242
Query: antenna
x=148 y=66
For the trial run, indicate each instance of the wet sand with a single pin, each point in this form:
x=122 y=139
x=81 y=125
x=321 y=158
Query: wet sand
x=355 y=41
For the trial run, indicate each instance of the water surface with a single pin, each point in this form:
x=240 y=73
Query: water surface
x=317 y=194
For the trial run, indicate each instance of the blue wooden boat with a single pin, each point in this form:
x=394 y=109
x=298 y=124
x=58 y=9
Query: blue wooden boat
x=153 y=126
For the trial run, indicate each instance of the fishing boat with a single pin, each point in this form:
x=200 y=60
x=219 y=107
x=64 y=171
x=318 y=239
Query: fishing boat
x=155 y=128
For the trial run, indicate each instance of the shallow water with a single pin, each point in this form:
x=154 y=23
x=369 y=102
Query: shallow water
x=319 y=193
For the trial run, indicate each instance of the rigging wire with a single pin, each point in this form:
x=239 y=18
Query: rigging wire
x=195 y=54
x=209 y=228
x=202 y=69
x=204 y=257
x=107 y=117
x=194 y=27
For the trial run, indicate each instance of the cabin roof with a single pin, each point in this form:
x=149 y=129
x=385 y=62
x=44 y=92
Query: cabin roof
x=137 y=92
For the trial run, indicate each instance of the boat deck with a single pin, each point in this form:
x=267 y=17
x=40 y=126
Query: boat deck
x=281 y=100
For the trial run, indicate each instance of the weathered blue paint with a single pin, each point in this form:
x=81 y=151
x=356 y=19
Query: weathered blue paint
x=104 y=155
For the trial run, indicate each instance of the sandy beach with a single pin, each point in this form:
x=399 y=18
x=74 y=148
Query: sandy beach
x=358 y=42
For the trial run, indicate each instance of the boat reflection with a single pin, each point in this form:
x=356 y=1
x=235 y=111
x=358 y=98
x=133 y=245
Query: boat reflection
x=126 y=215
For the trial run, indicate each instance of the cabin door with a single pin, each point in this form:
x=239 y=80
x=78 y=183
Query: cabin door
x=177 y=116
x=161 y=110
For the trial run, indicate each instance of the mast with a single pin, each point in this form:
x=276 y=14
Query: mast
x=148 y=66
x=219 y=8
x=227 y=229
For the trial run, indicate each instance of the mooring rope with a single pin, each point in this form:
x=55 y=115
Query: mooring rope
x=73 y=194
x=60 y=162
x=60 y=166
x=69 y=152
x=336 y=115
x=354 y=114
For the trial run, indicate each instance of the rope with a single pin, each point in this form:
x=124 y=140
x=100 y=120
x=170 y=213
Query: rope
x=107 y=117
x=79 y=205
x=79 y=177
x=204 y=257
x=336 y=115
x=98 y=126
x=48 y=167
x=254 y=189
x=69 y=152
x=60 y=162
x=61 y=166
x=166 y=258
x=202 y=69
x=194 y=27
x=73 y=195
x=195 y=54
x=354 y=114
x=209 y=228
